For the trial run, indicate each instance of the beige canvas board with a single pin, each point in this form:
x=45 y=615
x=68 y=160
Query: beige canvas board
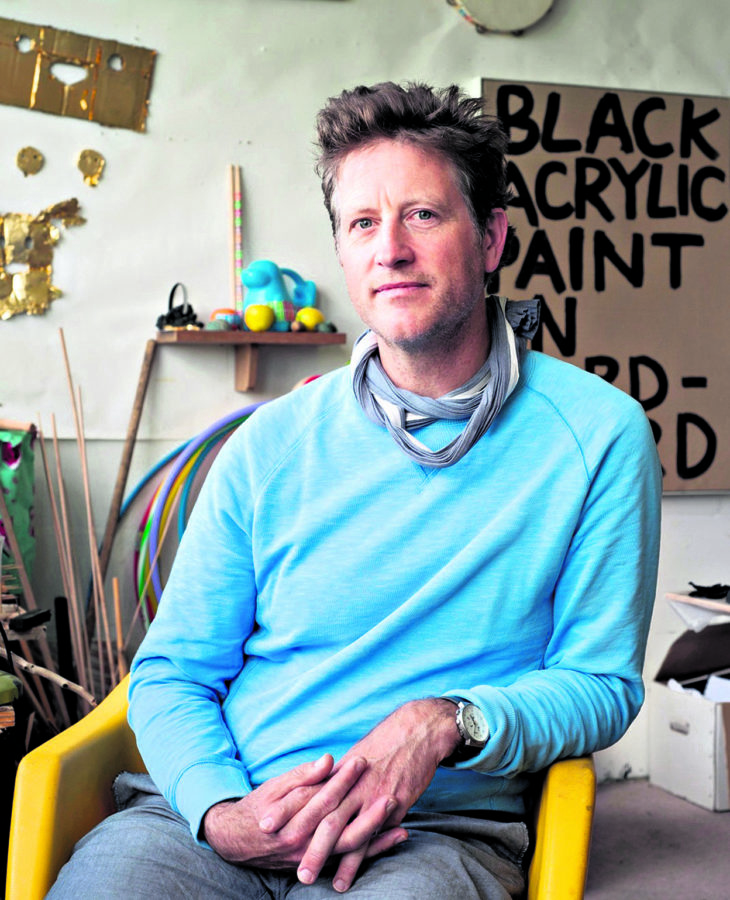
x=621 y=210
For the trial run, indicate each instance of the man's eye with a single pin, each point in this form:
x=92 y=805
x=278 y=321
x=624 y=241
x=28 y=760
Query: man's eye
x=363 y=223
x=424 y=215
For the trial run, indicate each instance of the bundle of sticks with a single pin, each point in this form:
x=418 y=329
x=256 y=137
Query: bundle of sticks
x=98 y=665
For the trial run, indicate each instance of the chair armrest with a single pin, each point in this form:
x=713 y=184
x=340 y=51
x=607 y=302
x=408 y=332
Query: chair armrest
x=563 y=831
x=63 y=789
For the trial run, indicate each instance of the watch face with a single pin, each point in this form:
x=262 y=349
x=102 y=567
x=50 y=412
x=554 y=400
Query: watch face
x=474 y=723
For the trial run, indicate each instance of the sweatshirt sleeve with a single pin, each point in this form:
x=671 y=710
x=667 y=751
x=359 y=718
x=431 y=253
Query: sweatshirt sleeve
x=194 y=648
x=590 y=686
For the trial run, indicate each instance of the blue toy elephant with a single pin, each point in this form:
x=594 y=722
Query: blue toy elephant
x=264 y=281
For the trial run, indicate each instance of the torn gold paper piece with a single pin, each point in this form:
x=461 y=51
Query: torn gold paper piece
x=29 y=161
x=28 y=240
x=91 y=164
x=16 y=237
x=114 y=89
x=32 y=293
x=67 y=211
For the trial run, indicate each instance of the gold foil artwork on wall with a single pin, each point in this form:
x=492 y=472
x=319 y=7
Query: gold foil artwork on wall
x=29 y=161
x=91 y=165
x=111 y=84
x=27 y=241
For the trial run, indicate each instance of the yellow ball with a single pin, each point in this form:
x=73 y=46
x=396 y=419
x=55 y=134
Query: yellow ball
x=310 y=317
x=259 y=317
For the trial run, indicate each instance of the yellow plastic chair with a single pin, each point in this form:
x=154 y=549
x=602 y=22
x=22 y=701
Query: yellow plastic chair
x=63 y=789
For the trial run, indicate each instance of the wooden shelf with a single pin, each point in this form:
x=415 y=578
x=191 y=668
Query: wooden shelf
x=201 y=336
x=246 y=345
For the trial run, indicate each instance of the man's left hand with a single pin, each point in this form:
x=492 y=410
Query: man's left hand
x=402 y=754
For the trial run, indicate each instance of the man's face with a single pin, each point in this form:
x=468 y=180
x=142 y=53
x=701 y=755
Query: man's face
x=412 y=258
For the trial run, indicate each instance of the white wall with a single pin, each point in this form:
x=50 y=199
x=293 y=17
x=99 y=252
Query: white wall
x=239 y=81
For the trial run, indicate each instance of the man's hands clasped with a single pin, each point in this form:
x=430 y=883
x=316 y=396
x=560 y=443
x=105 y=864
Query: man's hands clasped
x=351 y=810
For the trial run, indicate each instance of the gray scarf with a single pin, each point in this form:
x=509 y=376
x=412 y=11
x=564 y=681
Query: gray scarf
x=511 y=324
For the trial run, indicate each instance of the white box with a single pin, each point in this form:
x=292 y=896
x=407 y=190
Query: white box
x=689 y=735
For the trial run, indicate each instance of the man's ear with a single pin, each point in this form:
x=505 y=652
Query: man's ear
x=495 y=236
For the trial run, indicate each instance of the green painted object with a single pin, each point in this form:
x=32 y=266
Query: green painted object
x=10 y=688
x=17 y=481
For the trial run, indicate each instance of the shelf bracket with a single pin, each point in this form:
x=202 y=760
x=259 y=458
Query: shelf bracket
x=246 y=364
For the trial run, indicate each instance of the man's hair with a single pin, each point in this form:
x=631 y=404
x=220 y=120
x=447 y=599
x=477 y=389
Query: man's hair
x=442 y=120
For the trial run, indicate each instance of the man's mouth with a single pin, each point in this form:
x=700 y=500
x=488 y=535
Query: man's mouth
x=400 y=286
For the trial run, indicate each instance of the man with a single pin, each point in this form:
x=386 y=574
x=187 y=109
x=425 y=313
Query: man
x=405 y=586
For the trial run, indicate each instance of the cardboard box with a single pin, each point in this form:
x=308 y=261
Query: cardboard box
x=689 y=733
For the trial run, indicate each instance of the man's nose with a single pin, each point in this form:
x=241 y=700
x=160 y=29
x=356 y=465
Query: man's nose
x=394 y=246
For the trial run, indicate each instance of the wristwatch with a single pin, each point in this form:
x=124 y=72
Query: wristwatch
x=472 y=726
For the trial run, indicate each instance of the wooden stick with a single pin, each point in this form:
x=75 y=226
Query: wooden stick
x=236 y=237
x=232 y=232
x=97 y=580
x=65 y=530
x=124 y=465
x=57 y=534
x=77 y=425
x=66 y=575
x=27 y=692
x=29 y=731
x=239 y=238
x=40 y=672
x=122 y=668
x=42 y=696
x=3 y=592
x=84 y=662
x=14 y=425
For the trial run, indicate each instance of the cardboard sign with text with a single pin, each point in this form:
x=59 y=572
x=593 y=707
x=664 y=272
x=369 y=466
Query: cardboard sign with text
x=621 y=210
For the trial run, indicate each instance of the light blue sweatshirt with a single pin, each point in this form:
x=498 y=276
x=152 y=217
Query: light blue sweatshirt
x=324 y=579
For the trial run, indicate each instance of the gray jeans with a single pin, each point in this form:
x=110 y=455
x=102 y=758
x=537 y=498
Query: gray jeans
x=146 y=851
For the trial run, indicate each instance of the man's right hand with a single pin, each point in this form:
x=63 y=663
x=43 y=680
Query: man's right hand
x=236 y=831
